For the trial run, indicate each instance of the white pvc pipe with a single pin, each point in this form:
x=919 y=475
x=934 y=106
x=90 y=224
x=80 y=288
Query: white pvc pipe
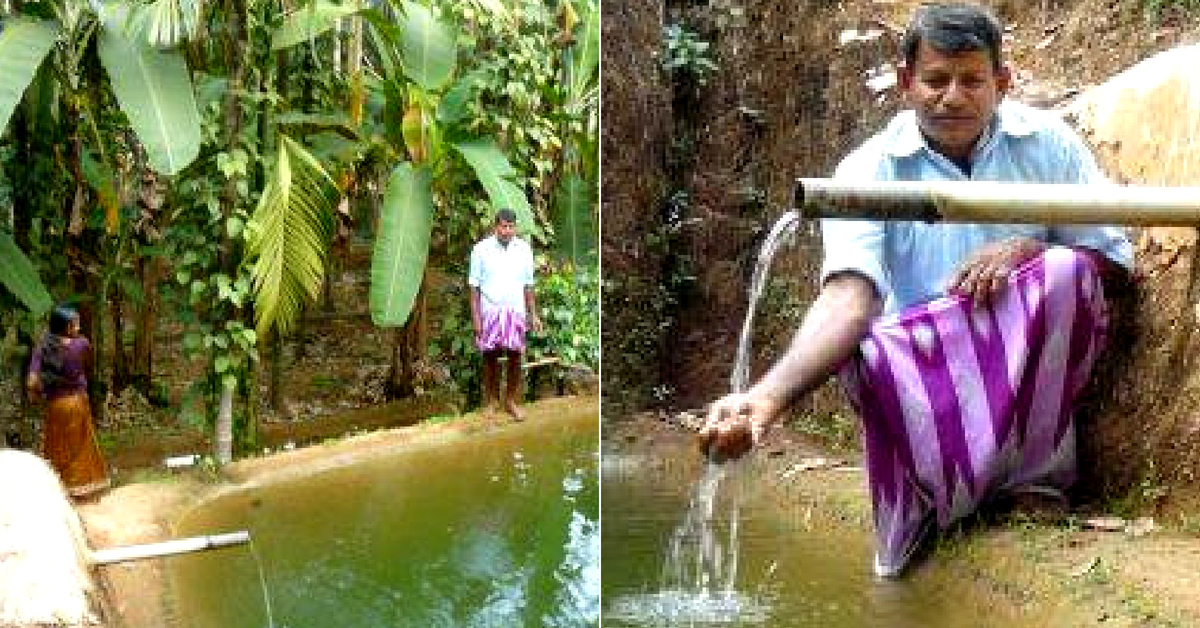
x=992 y=202
x=168 y=548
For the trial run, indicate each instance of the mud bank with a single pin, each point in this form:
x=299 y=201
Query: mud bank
x=136 y=595
x=1060 y=572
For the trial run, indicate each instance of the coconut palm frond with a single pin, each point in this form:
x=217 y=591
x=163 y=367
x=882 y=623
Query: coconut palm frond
x=288 y=237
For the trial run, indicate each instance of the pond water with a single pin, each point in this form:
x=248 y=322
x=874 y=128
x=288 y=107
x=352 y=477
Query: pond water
x=493 y=529
x=792 y=572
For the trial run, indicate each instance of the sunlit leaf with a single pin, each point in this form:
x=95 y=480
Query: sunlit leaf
x=21 y=278
x=427 y=48
x=402 y=246
x=288 y=235
x=23 y=45
x=575 y=220
x=155 y=92
x=309 y=21
x=497 y=174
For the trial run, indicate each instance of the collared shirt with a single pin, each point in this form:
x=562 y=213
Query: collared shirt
x=501 y=272
x=912 y=262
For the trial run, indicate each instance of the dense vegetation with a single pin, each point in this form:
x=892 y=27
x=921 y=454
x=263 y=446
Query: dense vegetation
x=196 y=164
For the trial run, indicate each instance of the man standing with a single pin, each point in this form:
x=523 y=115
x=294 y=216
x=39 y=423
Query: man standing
x=963 y=347
x=502 y=307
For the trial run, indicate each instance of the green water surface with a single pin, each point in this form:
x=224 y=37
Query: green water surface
x=498 y=529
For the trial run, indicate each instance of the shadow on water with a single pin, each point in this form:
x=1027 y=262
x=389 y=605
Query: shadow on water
x=496 y=529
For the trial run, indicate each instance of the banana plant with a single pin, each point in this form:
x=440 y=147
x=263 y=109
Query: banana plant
x=576 y=215
x=151 y=86
x=419 y=63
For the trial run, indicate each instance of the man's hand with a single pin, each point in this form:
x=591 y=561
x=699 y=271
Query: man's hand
x=985 y=273
x=535 y=323
x=735 y=424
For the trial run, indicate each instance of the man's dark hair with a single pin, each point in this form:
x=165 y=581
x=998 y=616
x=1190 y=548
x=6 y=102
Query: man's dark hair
x=953 y=27
x=505 y=215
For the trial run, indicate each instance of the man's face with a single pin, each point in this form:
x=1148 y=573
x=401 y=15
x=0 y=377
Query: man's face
x=505 y=230
x=955 y=96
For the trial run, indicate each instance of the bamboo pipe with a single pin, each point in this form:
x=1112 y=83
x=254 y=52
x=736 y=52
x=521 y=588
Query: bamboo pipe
x=168 y=548
x=991 y=202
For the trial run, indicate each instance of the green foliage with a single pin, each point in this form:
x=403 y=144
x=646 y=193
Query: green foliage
x=402 y=245
x=576 y=225
x=1154 y=9
x=308 y=22
x=427 y=47
x=164 y=23
x=569 y=300
x=21 y=278
x=155 y=92
x=23 y=45
x=288 y=236
x=497 y=174
x=686 y=57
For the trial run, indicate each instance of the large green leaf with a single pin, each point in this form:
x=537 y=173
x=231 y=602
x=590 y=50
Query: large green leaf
x=585 y=55
x=23 y=45
x=307 y=22
x=21 y=278
x=164 y=23
x=402 y=246
x=156 y=95
x=575 y=220
x=496 y=175
x=427 y=49
x=288 y=236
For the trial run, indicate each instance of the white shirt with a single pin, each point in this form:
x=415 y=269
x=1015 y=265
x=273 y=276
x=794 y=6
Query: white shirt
x=501 y=272
x=911 y=262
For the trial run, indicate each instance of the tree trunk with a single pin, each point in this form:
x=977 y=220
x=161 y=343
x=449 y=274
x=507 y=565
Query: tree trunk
x=236 y=58
x=149 y=272
x=406 y=351
x=277 y=373
x=120 y=362
x=223 y=440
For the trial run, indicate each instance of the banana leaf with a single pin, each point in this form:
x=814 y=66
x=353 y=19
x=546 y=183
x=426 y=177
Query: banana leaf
x=18 y=274
x=497 y=174
x=24 y=44
x=402 y=246
x=155 y=92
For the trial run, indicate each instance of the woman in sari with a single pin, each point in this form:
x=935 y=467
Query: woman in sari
x=58 y=373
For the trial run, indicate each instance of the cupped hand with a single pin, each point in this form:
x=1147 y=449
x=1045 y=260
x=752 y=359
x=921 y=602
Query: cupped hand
x=984 y=274
x=735 y=424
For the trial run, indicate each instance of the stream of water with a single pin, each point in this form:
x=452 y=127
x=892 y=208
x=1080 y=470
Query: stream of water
x=700 y=571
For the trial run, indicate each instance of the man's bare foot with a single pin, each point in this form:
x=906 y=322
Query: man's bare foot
x=512 y=408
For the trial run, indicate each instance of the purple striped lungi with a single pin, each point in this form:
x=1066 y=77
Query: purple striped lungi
x=501 y=328
x=960 y=404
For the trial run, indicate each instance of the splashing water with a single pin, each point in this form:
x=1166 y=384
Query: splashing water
x=700 y=571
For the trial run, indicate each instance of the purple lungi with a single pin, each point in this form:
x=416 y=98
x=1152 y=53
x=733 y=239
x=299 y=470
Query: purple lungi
x=960 y=404
x=501 y=328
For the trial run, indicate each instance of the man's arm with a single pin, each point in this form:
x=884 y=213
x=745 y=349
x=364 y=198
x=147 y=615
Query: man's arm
x=829 y=335
x=475 y=309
